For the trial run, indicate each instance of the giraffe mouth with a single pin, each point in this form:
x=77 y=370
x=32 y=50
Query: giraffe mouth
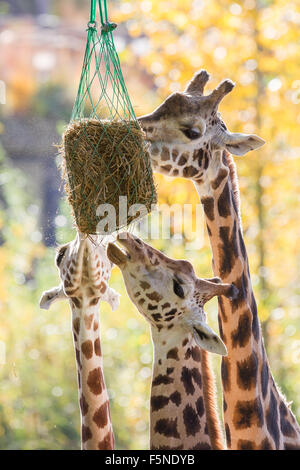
x=117 y=256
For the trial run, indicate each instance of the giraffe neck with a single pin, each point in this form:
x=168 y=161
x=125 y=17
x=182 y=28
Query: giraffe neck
x=255 y=414
x=96 y=427
x=183 y=412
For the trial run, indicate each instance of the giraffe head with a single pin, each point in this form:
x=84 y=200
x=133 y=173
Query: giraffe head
x=167 y=292
x=187 y=125
x=84 y=270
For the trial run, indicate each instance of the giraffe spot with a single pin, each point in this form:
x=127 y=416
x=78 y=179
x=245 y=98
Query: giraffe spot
x=285 y=425
x=272 y=420
x=206 y=162
x=79 y=380
x=173 y=354
x=166 y=305
x=182 y=160
x=185 y=342
x=175 y=172
x=189 y=171
x=75 y=301
x=83 y=405
x=87 y=349
x=96 y=324
x=165 y=154
x=167 y=427
x=241 y=284
x=162 y=380
x=200 y=406
x=170 y=370
x=95 y=381
x=152 y=307
x=170 y=326
x=243 y=444
x=170 y=318
x=77 y=354
x=100 y=416
x=228 y=251
x=247 y=372
x=208 y=207
x=288 y=446
x=76 y=325
x=171 y=312
x=166 y=168
x=145 y=285
x=107 y=443
x=255 y=321
x=97 y=347
x=228 y=435
x=198 y=155
x=241 y=335
x=223 y=173
x=94 y=301
x=154 y=296
x=86 y=433
x=202 y=446
x=175 y=154
x=175 y=398
x=242 y=245
x=225 y=374
x=91 y=292
x=88 y=320
x=248 y=413
x=188 y=377
x=191 y=421
x=224 y=202
x=141 y=301
x=156 y=316
x=266 y=445
x=224 y=405
x=103 y=287
x=193 y=352
x=158 y=402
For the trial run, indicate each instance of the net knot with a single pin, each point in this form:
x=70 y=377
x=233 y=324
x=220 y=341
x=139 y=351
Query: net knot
x=108 y=27
x=92 y=25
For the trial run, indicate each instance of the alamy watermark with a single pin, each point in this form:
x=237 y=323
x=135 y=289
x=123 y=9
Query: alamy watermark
x=179 y=222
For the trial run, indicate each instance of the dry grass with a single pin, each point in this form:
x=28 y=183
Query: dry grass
x=103 y=160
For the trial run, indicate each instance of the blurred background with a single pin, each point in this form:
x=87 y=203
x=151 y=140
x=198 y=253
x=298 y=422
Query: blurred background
x=161 y=44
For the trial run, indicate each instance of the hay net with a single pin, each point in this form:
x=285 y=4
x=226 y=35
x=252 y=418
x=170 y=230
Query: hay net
x=103 y=150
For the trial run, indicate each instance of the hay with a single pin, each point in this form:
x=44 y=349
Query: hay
x=103 y=160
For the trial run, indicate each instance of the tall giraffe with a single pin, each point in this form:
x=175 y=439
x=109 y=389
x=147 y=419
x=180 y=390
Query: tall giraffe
x=188 y=138
x=84 y=271
x=170 y=296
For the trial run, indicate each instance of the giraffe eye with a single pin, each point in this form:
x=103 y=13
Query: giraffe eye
x=178 y=290
x=192 y=133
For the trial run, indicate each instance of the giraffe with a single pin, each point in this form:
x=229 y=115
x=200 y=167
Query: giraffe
x=187 y=137
x=169 y=295
x=84 y=271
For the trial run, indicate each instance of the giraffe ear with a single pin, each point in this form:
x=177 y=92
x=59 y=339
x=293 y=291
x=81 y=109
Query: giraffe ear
x=207 y=339
x=50 y=296
x=239 y=144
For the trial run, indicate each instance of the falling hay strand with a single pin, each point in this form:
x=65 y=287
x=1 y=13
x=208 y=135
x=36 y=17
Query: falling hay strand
x=103 y=160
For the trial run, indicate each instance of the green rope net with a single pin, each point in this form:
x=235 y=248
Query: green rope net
x=107 y=168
